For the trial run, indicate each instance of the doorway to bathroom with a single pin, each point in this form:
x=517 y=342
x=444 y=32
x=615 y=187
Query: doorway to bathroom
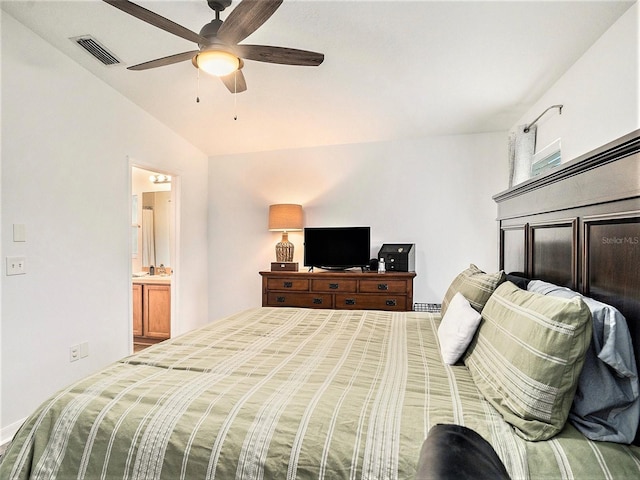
x=153 y=255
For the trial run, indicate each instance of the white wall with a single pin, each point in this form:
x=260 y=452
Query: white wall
x=434 y=192
x=66 y=143
x=600 y=93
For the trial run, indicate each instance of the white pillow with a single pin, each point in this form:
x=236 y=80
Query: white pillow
x=457 y=328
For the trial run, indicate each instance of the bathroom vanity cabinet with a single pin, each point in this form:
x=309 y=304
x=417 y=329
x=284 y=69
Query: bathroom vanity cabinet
x=151 y=311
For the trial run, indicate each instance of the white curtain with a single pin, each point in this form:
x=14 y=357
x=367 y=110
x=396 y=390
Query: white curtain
x=522 y=146
x=148 y=240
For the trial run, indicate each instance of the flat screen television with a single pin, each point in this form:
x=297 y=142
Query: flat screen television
x=337 y=248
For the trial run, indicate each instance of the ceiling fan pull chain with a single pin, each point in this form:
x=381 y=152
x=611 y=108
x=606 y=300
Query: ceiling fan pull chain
x=198 y=87
x=235 y=95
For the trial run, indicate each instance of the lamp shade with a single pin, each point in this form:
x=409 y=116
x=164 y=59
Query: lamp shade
x=285 y=217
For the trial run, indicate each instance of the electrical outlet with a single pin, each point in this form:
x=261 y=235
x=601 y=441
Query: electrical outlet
x=74 y=353
x=16 y=266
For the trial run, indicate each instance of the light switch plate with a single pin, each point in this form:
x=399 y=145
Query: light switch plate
x=19 y=232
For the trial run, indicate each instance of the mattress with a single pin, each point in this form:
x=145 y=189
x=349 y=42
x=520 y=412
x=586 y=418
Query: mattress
x=284 y=393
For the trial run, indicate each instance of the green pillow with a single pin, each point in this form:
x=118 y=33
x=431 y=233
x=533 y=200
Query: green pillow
x=475 y=285
x=527 y=356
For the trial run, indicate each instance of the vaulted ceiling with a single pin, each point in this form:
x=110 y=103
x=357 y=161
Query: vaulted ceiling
x=392 y=69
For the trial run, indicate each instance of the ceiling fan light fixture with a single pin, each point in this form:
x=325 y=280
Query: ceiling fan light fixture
x=217 y=62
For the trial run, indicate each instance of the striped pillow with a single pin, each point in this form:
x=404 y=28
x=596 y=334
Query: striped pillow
x=475 y=285
x=527 y=356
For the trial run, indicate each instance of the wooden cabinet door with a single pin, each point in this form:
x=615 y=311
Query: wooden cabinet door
x=137 y=309
x=157 y=311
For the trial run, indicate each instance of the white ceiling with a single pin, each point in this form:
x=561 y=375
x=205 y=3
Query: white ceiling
x=392 y=69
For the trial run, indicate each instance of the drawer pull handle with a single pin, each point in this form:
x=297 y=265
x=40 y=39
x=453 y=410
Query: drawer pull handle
x=391 y=303
x=317 y=301
x=383 y=286
x=287 y=284
x=333 y=286
x=280 y=299
x=350 y=301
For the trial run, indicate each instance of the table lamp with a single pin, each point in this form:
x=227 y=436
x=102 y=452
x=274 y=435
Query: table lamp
x=285 y=217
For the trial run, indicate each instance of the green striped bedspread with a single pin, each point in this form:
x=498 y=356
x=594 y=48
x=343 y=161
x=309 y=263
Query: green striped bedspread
x=280 y=393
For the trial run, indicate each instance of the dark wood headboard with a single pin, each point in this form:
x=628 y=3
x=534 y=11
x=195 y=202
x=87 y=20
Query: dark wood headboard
x=579 y=226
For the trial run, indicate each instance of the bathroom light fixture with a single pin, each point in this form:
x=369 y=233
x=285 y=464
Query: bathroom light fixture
x=217 y=62
x=285 y=217
x=159 y=178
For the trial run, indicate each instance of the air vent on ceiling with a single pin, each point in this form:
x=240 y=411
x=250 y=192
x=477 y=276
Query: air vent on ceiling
x=96 y=49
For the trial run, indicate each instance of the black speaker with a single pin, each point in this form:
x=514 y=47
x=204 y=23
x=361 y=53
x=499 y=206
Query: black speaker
x=373 y=264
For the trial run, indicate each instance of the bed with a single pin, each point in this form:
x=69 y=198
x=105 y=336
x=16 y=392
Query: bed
x=311 y=393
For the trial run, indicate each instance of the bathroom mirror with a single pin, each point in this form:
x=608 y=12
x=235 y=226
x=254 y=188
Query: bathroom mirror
x=156 y=228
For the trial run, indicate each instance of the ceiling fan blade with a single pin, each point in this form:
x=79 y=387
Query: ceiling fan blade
x=235 y=82
x=157 y=20
x=161 y=62
x=246 y=18
x=281 y=55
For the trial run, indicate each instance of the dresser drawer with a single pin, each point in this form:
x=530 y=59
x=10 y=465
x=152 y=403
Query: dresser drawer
x=333 y=285
x=371 y=302
x=304 y=300
x=293 y=284
x=382 y=285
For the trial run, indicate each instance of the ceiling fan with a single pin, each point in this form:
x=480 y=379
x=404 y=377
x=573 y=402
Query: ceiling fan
x=218 y=51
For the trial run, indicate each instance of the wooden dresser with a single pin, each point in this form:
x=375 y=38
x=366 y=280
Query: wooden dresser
x=339 y=290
